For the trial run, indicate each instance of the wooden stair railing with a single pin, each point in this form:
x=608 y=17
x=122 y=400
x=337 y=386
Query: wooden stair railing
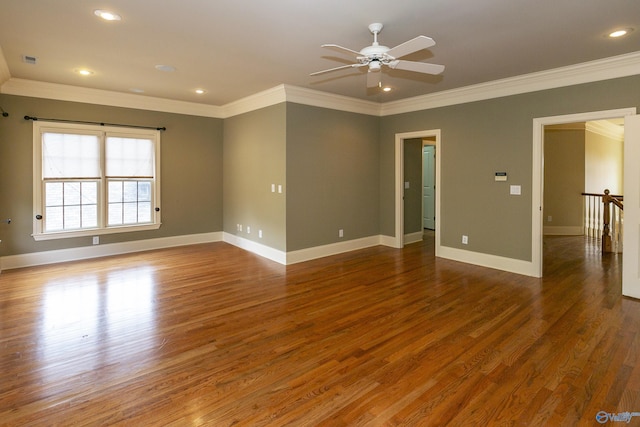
x=607 y=199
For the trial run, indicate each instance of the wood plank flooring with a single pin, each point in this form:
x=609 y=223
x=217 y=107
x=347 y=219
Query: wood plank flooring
x=213 y=335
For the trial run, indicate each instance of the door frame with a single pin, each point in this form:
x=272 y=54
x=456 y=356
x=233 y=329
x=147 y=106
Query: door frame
x=399 y=182
x=537 y=193
x=428 y=144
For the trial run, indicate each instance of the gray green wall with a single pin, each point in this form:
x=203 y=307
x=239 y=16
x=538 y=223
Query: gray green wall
x=332 y=176
x=336 y=169
x=191 y=171
x=254 y=159
x=484 y=137
x=413 y=195
x=564 y=177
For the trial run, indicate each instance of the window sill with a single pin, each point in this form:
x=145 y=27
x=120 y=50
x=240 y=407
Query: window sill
x=94 y=232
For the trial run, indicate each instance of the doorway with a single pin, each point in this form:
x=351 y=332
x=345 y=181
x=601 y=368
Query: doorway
x=538 y=173
x=433 y=136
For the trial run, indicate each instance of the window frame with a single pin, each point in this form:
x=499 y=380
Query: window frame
x=39 y=128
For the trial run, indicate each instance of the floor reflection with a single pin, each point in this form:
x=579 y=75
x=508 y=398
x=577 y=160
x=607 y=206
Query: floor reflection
x=80 y=315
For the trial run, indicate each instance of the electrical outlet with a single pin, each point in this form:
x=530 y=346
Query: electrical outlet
x=96 y=240
x=260 y=234
x=248 y=230
x=341 y=233
x=549 y=219
x=465 y=240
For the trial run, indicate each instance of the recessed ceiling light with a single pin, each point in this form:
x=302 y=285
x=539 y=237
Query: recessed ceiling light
x=620 y=33
x=136 y=90
x=200 y=91
x=386 y=89
x=106 y=15
x=84 y=72
x=166 y=68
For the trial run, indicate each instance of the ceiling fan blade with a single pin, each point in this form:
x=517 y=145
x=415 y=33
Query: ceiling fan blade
x=374 y=78
x=413 y=45
x=337 y=68
x=342 y=49
x=418 y=67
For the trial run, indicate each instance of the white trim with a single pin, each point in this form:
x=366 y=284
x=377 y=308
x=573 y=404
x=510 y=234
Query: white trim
x=266 y=98
x=566 y=230
x=631 y=232
x=537 y=190
x=256 y=248
x=399 y=183
x=4 y=69
x=326 y=100
x=388 y=241
x=61 y=92
x=606 y=129
x=308 y=254
x=490 y=261
x=413 y=237
x=302 y=255
x=601 y=69
x=96 y=251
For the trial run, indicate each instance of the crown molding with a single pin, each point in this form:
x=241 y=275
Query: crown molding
x=606 y=129
x=266 y=98
x=603 y=69
x=288 y=93
x=38 y=89
x=327 y=100
x=587 y=72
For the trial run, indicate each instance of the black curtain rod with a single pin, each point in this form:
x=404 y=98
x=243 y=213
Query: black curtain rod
x=93 y=123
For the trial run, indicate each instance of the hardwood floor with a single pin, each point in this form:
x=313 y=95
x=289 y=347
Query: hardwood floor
x=213 y=335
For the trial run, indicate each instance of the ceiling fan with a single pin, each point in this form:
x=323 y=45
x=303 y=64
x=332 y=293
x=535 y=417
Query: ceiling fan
x=376 y=55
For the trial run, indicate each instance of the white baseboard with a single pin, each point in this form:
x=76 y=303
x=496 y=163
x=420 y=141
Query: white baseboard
x=491 y=261
x=413 y=237
x=563 y=230
x=308 y=254
x=96 y=251
x=281 y=257
x=256 y=248
x=388 y=241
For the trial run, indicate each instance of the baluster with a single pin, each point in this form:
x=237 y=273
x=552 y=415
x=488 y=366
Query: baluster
x=591 y=216
x=590 y=219
x=598 y=219
x=606 y=237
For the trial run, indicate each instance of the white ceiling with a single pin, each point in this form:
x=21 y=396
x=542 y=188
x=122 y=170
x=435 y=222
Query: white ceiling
x=235 y=48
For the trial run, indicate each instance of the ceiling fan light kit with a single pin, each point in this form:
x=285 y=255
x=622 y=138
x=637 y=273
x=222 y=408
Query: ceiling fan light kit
x=377 y=55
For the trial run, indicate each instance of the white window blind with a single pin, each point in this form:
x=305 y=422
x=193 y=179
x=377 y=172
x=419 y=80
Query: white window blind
x=67 y=155
x=129 y=157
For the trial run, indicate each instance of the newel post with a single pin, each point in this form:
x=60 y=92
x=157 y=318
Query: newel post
x=606 y=238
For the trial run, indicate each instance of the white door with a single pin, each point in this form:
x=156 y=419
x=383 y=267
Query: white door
x=428 y=187
x=631 y=236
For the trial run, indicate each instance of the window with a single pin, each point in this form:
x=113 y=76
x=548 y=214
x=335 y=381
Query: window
x=92 y=180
